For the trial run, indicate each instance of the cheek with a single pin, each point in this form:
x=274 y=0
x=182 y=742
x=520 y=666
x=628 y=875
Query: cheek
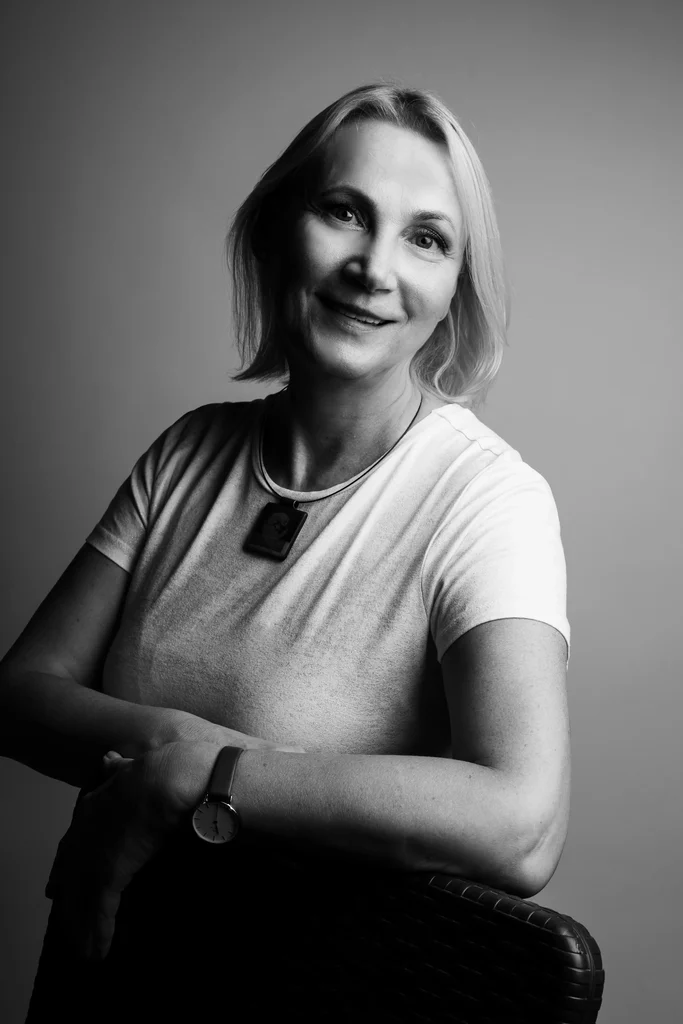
x=431 y=299
x=314 y=253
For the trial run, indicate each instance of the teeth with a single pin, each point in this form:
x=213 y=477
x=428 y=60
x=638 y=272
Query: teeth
x=354 y=316
x=362 y=321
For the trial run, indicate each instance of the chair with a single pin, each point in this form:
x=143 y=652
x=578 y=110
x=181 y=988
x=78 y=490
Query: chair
x=436 y=948
x=286 y=936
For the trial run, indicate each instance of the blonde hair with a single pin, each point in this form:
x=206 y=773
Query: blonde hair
x=462 y=356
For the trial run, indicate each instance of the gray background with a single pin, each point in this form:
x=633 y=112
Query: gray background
x=133 y=131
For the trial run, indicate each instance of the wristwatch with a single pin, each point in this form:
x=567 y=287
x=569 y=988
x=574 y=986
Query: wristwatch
x=216 y=819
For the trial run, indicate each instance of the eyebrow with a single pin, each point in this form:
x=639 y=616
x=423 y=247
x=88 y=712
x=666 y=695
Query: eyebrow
x=361 y=197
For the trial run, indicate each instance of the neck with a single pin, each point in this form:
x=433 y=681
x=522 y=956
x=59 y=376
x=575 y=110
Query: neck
x=321 y=436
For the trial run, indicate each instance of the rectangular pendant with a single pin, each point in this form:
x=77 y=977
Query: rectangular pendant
x=275 y=530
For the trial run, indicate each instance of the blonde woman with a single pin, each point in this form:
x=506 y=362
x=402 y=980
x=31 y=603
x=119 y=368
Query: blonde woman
x=333 y=618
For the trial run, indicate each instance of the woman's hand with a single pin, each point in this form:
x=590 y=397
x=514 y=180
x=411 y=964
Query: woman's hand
x=117 y=829
x=119 y=826
x=183 y=726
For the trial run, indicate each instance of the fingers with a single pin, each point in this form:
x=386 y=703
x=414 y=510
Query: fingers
x=88 y=901
x=100 y=934
x=112 y=762
x=113 y=759
x=88 y=925
x=85 y=902
x=76 y=908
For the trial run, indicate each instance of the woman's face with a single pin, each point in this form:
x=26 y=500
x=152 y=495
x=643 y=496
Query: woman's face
x=373 y=258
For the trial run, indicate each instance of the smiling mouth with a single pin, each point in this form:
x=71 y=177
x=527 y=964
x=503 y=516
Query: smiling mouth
x=352 y=314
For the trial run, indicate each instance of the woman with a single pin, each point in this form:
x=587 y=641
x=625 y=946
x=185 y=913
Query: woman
x=353 y=584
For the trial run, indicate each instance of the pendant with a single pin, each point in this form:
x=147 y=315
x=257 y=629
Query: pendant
x=275 y=530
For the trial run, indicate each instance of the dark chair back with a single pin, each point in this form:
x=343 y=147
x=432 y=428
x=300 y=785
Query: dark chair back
x=279 y=935
x=436 y=948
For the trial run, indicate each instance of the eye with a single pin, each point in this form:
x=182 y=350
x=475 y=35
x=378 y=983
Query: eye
x=429 y=240
x=342 y=212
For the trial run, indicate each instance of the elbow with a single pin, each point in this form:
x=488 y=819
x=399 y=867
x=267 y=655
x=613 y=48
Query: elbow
x=541 y=841
x=516 y=851
x=538 y=864
x=533 y=858
x=522 y=874
x=531 y=877
x=514 y=869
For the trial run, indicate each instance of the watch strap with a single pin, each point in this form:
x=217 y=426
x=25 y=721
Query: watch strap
x=223 y=774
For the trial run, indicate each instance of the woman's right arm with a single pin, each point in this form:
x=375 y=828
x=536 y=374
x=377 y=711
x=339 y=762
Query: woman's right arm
x=52 y=716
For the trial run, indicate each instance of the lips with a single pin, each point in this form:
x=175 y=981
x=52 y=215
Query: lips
x=354 y=312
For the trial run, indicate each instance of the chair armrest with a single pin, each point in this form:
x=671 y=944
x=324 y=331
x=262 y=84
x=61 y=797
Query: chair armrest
x=422 y=947
x=317 y=938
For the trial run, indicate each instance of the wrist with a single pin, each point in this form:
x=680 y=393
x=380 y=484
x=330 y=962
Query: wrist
x=169 y=725
x=250 y=786
x=153 y=728
x=201 y=762
x=193 y=764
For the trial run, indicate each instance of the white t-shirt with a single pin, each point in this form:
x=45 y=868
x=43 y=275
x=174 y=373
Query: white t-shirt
x=338 y=646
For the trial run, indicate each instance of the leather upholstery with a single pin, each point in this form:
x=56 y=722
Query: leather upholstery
x=318 y=939
x=436 y=948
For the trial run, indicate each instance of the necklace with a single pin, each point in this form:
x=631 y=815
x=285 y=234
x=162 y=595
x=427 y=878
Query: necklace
x=279 y=522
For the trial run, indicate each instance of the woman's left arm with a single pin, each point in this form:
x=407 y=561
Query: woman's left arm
x=497 y=812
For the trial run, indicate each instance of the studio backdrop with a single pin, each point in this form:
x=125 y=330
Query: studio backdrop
x=131 y=133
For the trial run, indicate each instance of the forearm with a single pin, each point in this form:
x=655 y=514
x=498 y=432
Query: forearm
x=415 y=813
x=63 y=729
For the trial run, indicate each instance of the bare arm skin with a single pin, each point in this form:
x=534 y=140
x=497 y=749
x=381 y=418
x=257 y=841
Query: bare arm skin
x=52 y=716
x=496 y=812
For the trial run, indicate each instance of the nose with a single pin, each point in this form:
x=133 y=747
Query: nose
x=372 y=267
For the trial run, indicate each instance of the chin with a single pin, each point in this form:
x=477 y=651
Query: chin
x=343 y=358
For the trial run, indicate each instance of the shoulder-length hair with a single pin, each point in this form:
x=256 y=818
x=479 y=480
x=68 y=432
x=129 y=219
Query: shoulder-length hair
x=461 y=358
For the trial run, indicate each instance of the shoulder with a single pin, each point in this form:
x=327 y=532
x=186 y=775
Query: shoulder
x=468 y=461
x=210 y=423
x=493 y=506
x=496 y=551
x=199 y=439
x=459 y=445
x=464 y=429
x=207 y=429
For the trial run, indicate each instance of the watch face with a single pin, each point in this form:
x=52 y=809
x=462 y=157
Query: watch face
x=215 y=822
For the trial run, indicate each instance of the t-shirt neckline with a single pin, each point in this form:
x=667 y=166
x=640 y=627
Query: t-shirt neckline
x=265 y=479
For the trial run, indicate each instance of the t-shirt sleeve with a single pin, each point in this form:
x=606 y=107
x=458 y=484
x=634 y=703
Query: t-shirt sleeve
x=497 y=555
x=121 y=532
